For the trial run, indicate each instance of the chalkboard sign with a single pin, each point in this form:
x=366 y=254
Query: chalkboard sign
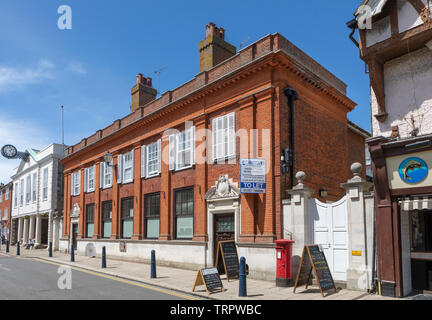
x=313 y=259
x=210 y=279
x=227 y=261
x=305 y=271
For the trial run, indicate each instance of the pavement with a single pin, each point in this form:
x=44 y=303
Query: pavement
x=181 y=280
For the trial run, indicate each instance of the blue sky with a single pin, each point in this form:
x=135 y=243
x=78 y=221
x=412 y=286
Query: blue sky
x=91 y=68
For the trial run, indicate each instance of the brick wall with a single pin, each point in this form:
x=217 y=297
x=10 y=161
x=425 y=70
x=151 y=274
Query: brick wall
x=255 y=94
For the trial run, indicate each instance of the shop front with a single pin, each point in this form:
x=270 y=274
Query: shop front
x=404 y=215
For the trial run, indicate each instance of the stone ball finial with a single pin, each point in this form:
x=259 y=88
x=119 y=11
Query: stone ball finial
x=300 y=176
x=356 y=169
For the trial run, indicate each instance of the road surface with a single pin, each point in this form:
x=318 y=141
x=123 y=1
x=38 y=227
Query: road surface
x=31 y=279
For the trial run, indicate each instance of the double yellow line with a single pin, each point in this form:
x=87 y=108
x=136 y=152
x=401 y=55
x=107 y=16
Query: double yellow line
x=121 y=280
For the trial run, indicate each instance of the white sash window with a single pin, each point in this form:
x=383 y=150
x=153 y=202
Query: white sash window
x=127 y=167
x=106 y=174
x=21 y=192
x=224 y=137
x=89 y=179
x=153 y=159
x=28 y=189
x=34 y=182
x=15 y=195
x=45 y=185
x=184 y=146
x=76 y=183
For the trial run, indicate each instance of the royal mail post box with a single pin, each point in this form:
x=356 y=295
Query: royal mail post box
x=284 y=272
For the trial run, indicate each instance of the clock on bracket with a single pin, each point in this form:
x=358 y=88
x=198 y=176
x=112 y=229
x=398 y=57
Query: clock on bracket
x=9 y=151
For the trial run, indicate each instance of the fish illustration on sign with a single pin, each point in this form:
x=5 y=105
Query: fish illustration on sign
x=413 y=170
x=409 y=167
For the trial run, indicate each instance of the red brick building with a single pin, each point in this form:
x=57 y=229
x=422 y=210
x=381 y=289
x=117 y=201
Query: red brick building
x=173 y=183
x=5 y=209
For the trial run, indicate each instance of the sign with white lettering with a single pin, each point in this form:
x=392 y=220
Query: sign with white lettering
x=252 y=176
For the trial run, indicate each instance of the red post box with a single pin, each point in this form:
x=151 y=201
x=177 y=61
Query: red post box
x=284 y=272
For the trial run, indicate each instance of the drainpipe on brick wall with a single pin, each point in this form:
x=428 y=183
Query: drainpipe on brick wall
x=292 y=96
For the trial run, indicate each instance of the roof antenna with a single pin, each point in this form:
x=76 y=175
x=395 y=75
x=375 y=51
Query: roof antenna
x=243 y=42
x=158 y=73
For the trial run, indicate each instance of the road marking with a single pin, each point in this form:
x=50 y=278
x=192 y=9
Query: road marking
x=4 y=268
x=120 y=280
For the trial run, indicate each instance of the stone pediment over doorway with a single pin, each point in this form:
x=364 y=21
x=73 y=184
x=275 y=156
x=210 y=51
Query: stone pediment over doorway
x=224 y=188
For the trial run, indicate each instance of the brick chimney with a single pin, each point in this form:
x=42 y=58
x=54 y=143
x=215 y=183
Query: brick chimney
x=142 y=93
x=214 y=49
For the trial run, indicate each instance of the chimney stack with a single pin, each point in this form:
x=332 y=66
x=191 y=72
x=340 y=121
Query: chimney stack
x=214 y=49
x=142 y=93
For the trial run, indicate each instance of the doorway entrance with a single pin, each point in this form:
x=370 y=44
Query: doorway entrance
x=224 y=229
x=420 y=224
x=330 y=230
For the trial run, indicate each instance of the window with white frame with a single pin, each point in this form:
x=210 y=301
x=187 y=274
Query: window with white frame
x=182 y=149
x=89 y=179
x=76 y=183
x=34 y=186
x=127 y=167
x=106 y=174
x=28 y=189
x=7 y=194
x=224 y=137
x=21 y=192
x=15 y=195
x=45 y=184
x=151 y=159
x=1 y=196
x=6 y=214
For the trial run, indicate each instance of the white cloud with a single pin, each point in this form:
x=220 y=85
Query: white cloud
x=23 y=134
x=12 y=78
x=76 y=68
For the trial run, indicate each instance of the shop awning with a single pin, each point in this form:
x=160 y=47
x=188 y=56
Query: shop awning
x=416 y=203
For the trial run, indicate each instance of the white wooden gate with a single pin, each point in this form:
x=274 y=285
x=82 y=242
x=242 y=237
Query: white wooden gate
x=329 y=222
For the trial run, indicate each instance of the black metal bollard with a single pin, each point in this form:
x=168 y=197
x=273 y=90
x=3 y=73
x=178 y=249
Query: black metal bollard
x=50 y=250
x=103 y=257
x=18 y=248
x=72 y=253
x=153 y=265
x=7 y=246
x=242 y=278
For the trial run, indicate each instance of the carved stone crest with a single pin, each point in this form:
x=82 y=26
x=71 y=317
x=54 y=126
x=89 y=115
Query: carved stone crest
x=76 y=211
x=224 y=188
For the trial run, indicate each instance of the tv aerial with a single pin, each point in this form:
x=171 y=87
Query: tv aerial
x=10 y=152
x=158 y=73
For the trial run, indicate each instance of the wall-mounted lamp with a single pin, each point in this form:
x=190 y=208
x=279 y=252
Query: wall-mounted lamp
x=286 y=157
x=108 y=157
x=323 y=193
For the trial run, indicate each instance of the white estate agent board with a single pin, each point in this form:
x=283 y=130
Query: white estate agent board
x=252 y=176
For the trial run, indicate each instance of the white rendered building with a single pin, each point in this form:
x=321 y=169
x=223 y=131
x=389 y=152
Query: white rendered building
x=37 y=200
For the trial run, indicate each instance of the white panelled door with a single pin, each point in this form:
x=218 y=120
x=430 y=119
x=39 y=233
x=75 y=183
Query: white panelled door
x=330 y=230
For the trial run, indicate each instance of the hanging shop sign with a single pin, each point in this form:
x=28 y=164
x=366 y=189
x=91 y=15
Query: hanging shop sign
x=252 y=176
x=413 y=170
